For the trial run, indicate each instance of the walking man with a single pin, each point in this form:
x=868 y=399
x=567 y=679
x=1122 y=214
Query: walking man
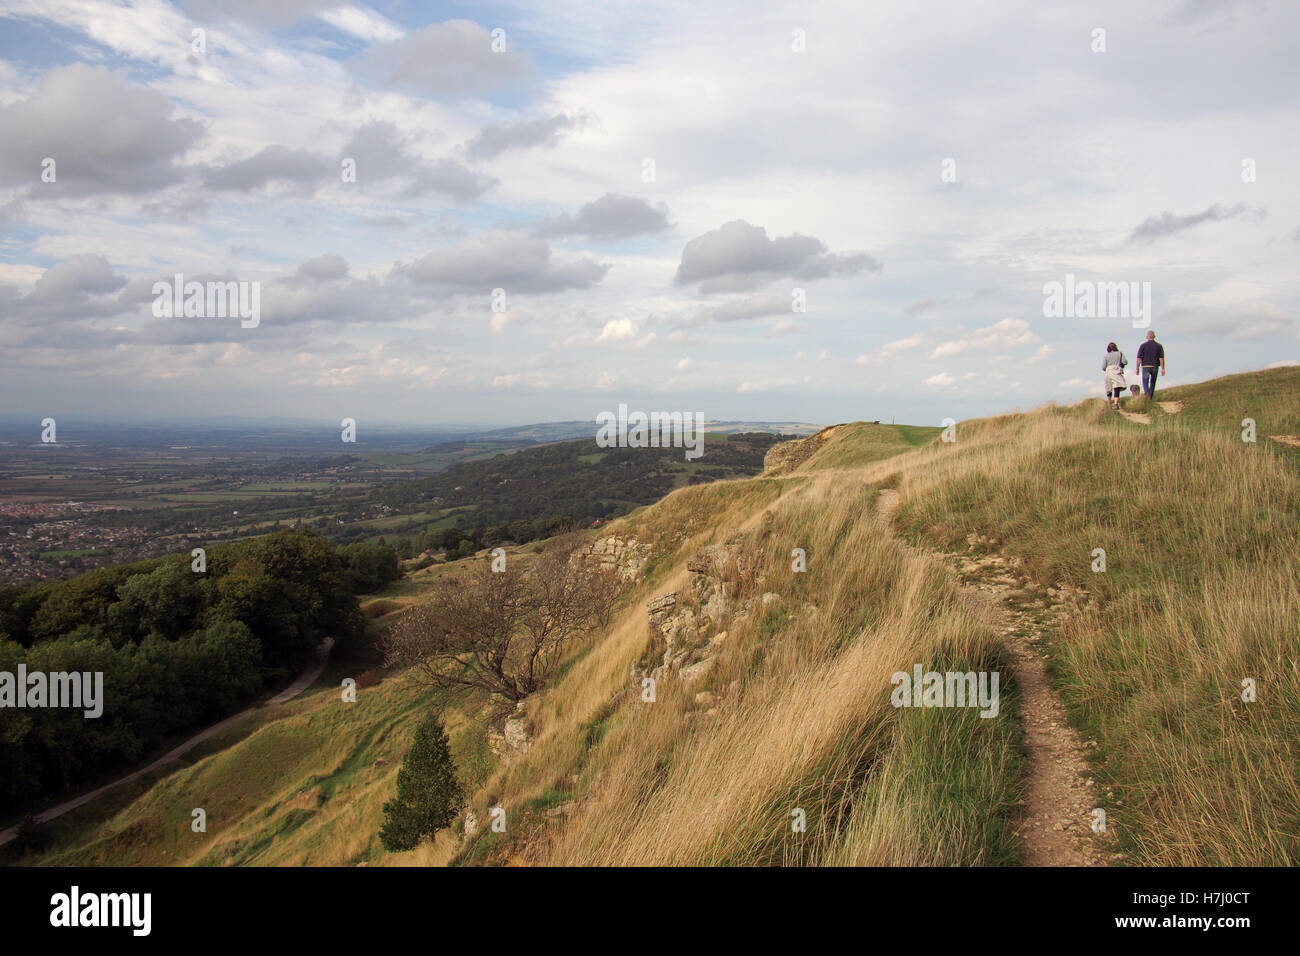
x=1151 y=356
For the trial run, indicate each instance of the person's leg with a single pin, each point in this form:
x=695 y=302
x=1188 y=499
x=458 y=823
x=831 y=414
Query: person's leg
x=1149 y=380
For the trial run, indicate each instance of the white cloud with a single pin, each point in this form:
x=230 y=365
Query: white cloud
x=1076 y=385
x=277 y=107
x=363 y=24
x=500 y=320
x=766 y=385
x=617 y=330
x=1008 y=334
x=890 y=351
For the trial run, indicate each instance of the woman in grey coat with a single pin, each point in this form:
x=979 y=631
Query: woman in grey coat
x=1113 y=365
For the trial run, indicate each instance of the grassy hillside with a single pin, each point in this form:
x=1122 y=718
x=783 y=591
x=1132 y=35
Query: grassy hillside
x=576 y=478
x=1269 y=397
x=798 y=716
x=788 y=705
x=1201 y=591
x=853 y=445
x=301 y=784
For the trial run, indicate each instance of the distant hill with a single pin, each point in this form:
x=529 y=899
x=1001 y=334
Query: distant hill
x=574 y=478
x=563 y=431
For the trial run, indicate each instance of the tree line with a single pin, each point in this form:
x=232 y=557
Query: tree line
x=465 y=542
x=178 y=648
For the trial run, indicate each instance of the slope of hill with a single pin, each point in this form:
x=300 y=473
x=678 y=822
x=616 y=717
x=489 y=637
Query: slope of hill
x=563 y=431
x=771 y=736
x=579 y=479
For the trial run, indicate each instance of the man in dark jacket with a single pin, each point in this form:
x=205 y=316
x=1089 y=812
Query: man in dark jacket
x=1151 y=356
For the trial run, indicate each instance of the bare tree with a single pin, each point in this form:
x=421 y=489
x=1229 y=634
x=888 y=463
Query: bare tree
x=505 y=631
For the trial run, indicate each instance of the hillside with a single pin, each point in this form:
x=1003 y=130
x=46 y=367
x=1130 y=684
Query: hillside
x=773 y=685
x=574 y=479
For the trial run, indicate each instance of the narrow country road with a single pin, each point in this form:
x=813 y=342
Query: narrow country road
x=300 y=684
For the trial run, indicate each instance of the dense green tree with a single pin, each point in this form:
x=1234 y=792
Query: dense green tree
x=368 y=567
x=176 y=649
x=232 y=657
x=85 y=599
x=428 y=794
x=165 y=601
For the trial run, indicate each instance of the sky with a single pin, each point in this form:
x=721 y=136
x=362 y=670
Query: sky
x=508 y=213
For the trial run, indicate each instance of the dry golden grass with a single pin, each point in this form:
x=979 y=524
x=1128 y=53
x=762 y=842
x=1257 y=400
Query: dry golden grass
x=804 y=721
x=1200 y=593
x=1184 y=613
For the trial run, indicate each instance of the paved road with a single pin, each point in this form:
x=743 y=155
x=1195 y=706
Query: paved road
x=300 y=684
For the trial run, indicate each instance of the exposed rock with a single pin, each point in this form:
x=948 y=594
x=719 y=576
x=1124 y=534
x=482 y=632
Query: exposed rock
x=689 y=675
x=681 y=628
x=770 y=597
x=705 y=699
x=471 y=823
x=516 y=735
x=716 y=608
x=681 y=622
x=624 y=556
x=786 y=456
x=662 y=604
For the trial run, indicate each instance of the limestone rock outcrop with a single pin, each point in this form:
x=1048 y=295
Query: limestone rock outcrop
x=625 y=557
